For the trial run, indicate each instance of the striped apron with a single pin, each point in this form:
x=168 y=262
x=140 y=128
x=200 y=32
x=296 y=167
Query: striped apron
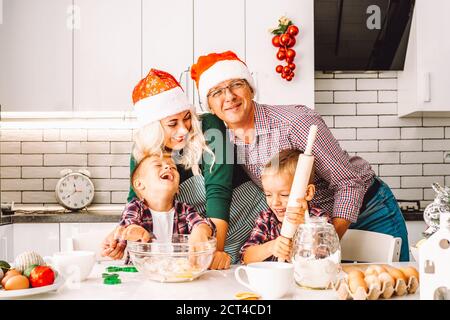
x=246 y=203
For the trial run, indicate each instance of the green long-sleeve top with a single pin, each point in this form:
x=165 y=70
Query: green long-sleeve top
x=219 y=180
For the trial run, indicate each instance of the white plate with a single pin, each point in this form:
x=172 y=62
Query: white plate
x=32 y=291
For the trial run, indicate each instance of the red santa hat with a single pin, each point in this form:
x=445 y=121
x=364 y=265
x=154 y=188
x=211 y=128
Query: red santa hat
x=214 y=68
x=157 y=96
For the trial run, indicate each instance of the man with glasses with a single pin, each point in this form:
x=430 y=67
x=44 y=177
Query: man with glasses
x=347 y=187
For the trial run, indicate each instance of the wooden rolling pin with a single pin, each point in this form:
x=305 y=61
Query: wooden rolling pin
x=301 y=179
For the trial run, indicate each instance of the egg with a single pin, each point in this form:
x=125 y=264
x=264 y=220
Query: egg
x=409 y=272
x=17 y=282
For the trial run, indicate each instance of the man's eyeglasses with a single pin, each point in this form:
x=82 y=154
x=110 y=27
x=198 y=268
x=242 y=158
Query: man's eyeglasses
x=233 y=86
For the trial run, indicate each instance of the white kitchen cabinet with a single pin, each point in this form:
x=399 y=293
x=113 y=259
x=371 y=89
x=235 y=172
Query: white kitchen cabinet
x=415 y=229
x=107 y=54
x=36 y=55
x=6 y=243
x=262 y=15
x=423 y=85
x=167 y=39
x=218 y=26
x=43 y=238
x=84 y=236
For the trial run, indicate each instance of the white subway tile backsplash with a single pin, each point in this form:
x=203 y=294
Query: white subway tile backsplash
x=39 y=197
x=65 y=159
x=436 y=145
x=99 y=172
x=400 y=145
x=108 y=160
x=380 y=157
x=102 y=197
x=357 y=75
x=43 y=147
x=336 y=109
x=322 y=75
x=9 y=147
x=11 y=197
x=359 y=146
x=13 y=160
x=111 y=184
x=21 y=184
x=387 y=96
x=119 y=197
x=447 y=181
x=447 y=133
x=436 y=122
x=323 y=96
x=121 y=147
x=376 y=84
x=50 y=184
x=74 y=134
x=344 y=134
x=422 y=133
x=408 y=194
x=120 y=172
x=41 y=172
x=355 y=122
x=9 y=172
x=422 y=157
x=387 y=74
x=378 y=133
x=392 y=182
x=109 y=135
x=329 y=121
x=20 y=135
x=395 y=121
x=335 y=84
x=52 y=135
x=401 y=170
x=88 y=147
x=355 y=96
x=418 y=182
x=376 y=108
x=436 y=169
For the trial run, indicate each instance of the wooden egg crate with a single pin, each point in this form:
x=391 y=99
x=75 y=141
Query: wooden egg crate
x=376 y=281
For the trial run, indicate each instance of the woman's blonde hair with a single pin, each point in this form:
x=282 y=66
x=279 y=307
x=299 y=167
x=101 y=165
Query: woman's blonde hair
x=149 y=139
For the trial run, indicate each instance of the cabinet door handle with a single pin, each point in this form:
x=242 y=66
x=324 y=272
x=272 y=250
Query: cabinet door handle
x=427 y=87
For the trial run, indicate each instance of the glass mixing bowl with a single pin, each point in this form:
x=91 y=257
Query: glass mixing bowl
x=177 y=261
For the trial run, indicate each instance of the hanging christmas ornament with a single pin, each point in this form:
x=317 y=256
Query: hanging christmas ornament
x=284 y=40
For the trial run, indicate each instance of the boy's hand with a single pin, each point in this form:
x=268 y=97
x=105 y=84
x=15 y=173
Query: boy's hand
x=296 y=215
x=221 y=261
x=281 y=248
x=200 y=233
x=134 y=232
x=112 y=247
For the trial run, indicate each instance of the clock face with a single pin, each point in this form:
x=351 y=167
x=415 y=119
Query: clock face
x=75 y=191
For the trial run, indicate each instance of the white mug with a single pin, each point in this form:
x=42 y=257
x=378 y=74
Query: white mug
x=272 y=280
x=74 y=265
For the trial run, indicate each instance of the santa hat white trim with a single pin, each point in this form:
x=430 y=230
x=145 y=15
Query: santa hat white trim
x=161 y=105
x=221 y=71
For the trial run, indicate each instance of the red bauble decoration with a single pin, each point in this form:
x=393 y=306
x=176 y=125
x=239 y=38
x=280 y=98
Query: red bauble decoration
x=291 y=42
x=279 y=68
x=291 y=66
x=276 y=41
x=281 y=55
x=284 y=39
x=287 y=70
x=292 y=30
x=290 y=53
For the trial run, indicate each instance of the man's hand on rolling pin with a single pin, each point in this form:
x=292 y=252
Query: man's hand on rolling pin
x=296 y=215
x=281 y=248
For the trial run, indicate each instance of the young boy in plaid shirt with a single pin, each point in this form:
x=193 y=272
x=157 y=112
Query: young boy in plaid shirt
x=265 y=241
x=156 y=215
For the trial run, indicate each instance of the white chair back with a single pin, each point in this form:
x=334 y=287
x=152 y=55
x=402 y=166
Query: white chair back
x=368 y=246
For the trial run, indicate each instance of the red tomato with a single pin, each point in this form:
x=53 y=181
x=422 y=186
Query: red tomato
x=276 y=41
x=42 y=276
x=291 y=43
x=279 y=68
x=292 y=30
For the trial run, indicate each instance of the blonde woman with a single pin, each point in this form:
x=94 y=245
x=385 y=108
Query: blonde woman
x=199 y=146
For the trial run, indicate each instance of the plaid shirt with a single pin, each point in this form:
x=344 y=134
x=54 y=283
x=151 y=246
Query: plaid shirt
x=341 y=181
x=267 y=228
x=184 y=220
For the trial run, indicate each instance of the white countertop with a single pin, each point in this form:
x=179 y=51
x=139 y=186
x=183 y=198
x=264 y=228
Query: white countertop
x=213 y=285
